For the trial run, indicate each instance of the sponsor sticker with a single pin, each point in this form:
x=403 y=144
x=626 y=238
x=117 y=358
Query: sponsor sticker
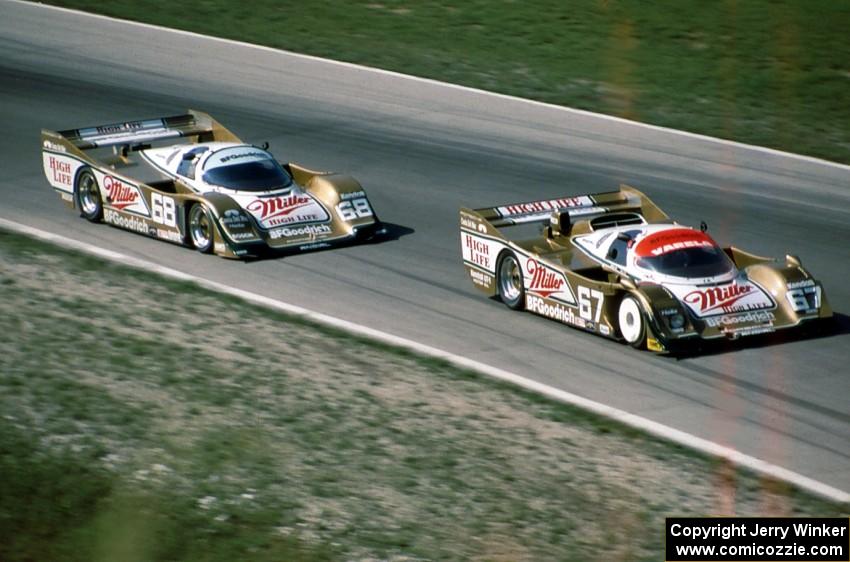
x=547 y=282
x=477 y=251
x=124 y=196
x=724 y=299
x=290 y=209
x=129 y=223
x=307 y=230
x=127 y=127
x=480 y=278
x=128 y=130
x=536 y=207
x=666 y=241
x=314 y=246
x=243 y=236
x=801 y=284
x=467 y=222
x=49 y=145
x=60 y=171
x=170 y=235
x=352 y=195
x=752 y=317
x=751 y=330
x=553 y=310
x=234 y=219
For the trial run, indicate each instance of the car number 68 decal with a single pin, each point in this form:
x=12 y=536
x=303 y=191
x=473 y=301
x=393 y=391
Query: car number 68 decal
x=163 y=209
x=354 y=209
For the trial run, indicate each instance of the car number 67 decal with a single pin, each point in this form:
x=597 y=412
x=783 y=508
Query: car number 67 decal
x=354 y=209
x=590 y=303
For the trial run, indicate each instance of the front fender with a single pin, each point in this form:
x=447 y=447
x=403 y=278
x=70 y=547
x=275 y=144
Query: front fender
x=233 y=226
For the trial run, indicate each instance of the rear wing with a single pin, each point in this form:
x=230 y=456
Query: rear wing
x=626 y=199
x=136 y=133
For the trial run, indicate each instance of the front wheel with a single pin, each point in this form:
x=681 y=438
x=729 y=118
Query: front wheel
x=509 y=282
x=201 y=228
x=631 y=322
x=88 y=197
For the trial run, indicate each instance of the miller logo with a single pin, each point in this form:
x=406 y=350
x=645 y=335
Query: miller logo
x=119 y=194
x=717 y=297
x=543 y=281
x=278 y=206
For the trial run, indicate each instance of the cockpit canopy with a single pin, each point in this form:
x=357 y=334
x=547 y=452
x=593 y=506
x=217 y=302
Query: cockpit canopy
x=245 y=168
x=682 y=252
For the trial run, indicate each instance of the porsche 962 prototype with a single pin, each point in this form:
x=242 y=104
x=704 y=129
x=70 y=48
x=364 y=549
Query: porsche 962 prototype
x=209 y=191
x=615 y=264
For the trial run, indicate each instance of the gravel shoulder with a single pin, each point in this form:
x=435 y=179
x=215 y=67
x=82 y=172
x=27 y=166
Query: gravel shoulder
x=151 y=419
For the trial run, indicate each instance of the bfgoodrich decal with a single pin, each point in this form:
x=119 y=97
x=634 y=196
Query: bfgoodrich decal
x=554 y=311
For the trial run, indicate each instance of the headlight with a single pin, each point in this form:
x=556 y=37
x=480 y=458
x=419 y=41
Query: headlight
x=677 y=321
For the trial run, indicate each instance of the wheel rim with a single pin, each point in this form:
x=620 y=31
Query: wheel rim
x=631 y=321
x=510 y=279
x=89 y=195
x=199 y=227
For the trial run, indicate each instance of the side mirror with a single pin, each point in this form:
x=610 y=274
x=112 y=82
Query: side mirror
x=265 y=145
x=703 y=226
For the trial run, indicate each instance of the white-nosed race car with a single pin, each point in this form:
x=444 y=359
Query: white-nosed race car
x=210 y=191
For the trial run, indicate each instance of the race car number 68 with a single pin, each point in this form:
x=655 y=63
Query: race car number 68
x=354 y=209
x=163 y=209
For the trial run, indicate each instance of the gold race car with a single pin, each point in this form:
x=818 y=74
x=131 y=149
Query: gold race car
x=615 y=264
x=209 y=191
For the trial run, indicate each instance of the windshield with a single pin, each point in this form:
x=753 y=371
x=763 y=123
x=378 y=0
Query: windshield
x=682 y=252
x=705 y=261
x=245 y=168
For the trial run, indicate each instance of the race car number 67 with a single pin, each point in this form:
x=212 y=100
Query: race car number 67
x=585 y=308
x=354 y=209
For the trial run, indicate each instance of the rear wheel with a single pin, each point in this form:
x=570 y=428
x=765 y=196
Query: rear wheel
x=201 y=228
x=88 y=197
x=509 y=282
x=631 y=322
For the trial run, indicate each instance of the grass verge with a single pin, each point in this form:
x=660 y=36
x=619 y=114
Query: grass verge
x=766 y=72
x=148 y=419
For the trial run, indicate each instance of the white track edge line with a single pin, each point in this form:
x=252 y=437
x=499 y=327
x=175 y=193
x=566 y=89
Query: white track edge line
x=621 y=416
x=432 y=81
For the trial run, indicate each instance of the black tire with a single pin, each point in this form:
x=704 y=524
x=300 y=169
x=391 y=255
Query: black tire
x=87 y=196
x=509 y=281
x=200 y=228
x=631 y=322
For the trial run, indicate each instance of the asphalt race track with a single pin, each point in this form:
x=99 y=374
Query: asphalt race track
x=422 y=150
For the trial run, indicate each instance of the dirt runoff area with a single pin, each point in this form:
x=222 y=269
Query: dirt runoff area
x=245 y=432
